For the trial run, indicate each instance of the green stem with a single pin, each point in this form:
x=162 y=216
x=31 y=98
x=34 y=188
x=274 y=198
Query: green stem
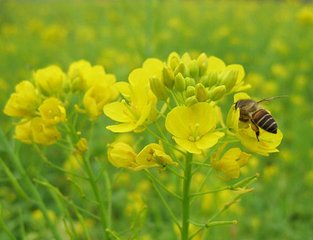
x=95 y=189
x=186 y=197
x=29 y=184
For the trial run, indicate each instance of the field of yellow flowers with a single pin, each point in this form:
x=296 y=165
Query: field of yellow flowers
x=121 y=120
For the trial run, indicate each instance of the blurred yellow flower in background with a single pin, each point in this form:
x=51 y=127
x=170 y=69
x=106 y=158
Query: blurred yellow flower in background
x=24 y=102
x=52 y=111
x=50 y=80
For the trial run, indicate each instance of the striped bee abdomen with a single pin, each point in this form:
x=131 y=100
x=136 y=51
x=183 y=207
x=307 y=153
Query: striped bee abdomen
x=265 y=121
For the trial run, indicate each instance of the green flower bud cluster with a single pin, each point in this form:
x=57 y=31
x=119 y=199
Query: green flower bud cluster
x=203 y=79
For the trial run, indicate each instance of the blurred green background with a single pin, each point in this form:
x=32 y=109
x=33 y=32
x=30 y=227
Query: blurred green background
x=273 y=40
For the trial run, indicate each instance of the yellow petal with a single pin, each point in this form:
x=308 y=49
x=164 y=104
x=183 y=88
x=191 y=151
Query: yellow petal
x=178 y=122
x=240 y=96
x=122 y=128
x=205 y=116
x=215 y=64
x=187 y=145
x=118 y=111
x=209 y=140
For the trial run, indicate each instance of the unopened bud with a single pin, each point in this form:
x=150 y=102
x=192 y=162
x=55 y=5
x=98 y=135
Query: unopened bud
x=202 y=94
x=194 y=69
x=190 y=91
x=82 y=145
x=191 y=100
x=181 y=68
x=202 y=63
x=229 y=79
x=217 y=92
x=212 y=79
x=205 y=80
x=158 y=88
x=190 y=81
x=168 y=77
x=173 y=60
x=180 y=83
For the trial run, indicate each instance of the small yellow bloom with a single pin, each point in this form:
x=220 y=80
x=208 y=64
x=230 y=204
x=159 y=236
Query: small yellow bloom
x=139 y=106
x=268 y=142
x=50 y=80
x=76 y=75
x=23 y=132
x=24 y=102
x=52 y=111
x=153 y=155
x=228 y=167
x=193 y=127
x=82 y=145
x=121 y=155
x=97 y=96
x=42 y=133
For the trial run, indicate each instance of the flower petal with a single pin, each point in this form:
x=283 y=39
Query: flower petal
x=187 y=145
x=178 y=122
x=209 y=140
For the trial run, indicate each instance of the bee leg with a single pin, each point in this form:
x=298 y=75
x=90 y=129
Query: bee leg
x=255 y=128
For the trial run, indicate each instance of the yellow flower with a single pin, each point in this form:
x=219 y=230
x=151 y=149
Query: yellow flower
x=268 y=142
x=43 y=134
x=52 y=111
x=50 y=80
x=193 y=127
x=139 y=106
x=153 y=155
x=228 y=167
x=76 y=75
x=121 y=155
x=36 y=131
x=23 y=132
x=98 y=95
x=24 y=102
x=231 y=76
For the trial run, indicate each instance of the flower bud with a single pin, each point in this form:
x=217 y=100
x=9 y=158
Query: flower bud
x=217 y=92
x=212 y=79
x=180 y=83
x=82 y=145
x=191 y=100
x=190 y=91
x=194 y=69
x=204 y=80
x=190 y=81
x=202 y=94
x=202 y=63
x=173 y=60
x=158 y=88
x=229 y=79
x=168 y=77
x=181 y=68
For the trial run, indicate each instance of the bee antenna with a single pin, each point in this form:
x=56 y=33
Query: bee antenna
x=272 y=98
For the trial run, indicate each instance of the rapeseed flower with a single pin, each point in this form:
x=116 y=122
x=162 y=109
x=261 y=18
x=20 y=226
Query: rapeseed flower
x=52 y=111
x=24 y=102
x=228 y=167
x=121 y=154
x=50 y=80
x=193 y=127
x=138 y=107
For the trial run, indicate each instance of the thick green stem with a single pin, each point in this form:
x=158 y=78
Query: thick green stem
x=186 y=197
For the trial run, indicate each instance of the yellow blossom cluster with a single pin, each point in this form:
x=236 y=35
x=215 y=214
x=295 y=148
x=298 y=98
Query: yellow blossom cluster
x=181 y=97
x=40 y=103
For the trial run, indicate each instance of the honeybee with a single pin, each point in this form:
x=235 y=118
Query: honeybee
x=252 y=111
